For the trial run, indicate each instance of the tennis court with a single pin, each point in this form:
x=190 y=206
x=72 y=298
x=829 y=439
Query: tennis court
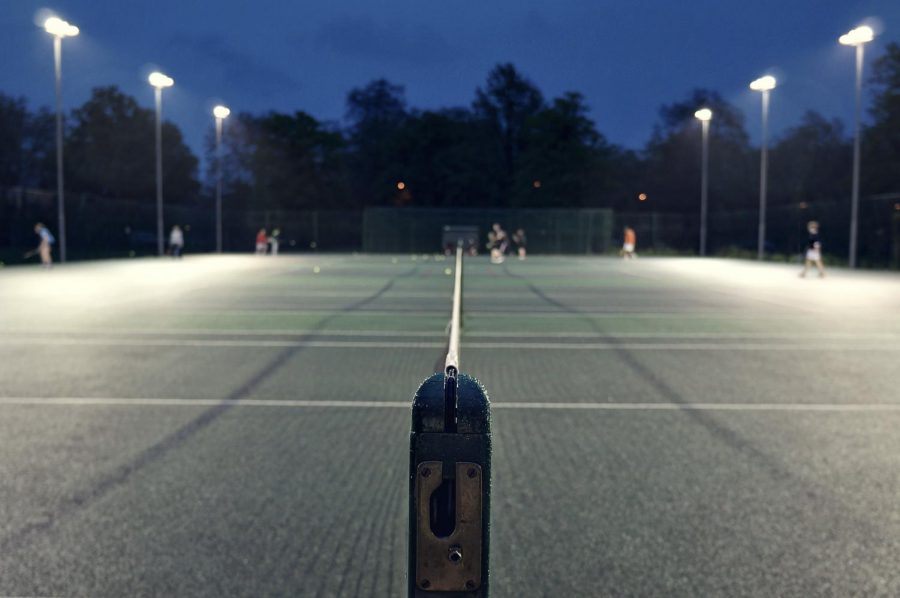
x=240 y=425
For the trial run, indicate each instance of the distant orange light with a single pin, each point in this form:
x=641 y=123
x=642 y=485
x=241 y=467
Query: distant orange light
x=803 y=205
x=642 y=197
x=401 y=185
x=897 y=206
x=536 y=184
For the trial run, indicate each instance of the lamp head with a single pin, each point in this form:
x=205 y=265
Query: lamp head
x=855 y=37
x=704 y=114
x=159 y=80
x=221 y=112
x=59 y=28
x=766 y=83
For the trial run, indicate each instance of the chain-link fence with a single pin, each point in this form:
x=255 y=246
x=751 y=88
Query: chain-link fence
x=103 y=227
x=878 y=238
x=404 y=230
x=735 y=232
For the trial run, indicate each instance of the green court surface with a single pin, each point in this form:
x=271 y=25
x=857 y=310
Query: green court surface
x=230 y=425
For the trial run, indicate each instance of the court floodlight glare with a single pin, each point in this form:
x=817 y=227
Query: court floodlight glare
x=766 y=83
x=59 y=28
x=703 y=114
x=221 y=112
x=159 y=80
x=855 y=37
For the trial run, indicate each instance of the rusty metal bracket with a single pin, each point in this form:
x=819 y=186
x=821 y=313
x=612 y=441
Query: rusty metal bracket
x=450 y=563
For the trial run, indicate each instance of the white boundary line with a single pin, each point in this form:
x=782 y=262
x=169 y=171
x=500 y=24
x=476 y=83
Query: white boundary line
x=862 y=407
x=295 y=403
x=612 y=312
x=242 y=343
x=441 y=333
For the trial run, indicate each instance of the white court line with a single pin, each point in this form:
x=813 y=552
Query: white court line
x=256 y=295
x=155 y=401
x=239 y=343
x=812 y=335
x=295 y=403
x=216 y=343
x=438 y=333
x=613 y=312
x=878 y=407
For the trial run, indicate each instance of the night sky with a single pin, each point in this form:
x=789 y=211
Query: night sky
x=626 y=56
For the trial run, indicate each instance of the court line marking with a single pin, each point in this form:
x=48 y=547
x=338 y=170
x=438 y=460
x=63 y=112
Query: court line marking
x=256 y=295
x=613 y=312
x=442 y=332
x=241 y=343
x=296 y=403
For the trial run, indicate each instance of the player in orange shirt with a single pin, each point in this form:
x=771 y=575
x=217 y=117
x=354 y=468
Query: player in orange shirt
x=629 y=242
x=262 y=242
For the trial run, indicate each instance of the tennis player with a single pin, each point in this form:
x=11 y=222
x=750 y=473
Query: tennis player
x=813 y=250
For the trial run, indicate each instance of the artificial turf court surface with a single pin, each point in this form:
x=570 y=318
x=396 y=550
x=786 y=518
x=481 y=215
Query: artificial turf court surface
x=239 y=425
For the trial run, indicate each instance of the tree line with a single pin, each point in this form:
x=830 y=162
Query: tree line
x=511 y=147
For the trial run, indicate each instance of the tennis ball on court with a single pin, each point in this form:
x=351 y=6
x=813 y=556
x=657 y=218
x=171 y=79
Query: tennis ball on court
x=316 y=270
x=448 y=271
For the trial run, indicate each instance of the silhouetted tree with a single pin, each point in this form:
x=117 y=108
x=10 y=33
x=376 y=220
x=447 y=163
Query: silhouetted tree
x=282 y=161
x=444 y=162
x=810 y=162
x=110 y=150
x=504 y=105
x=564 y=161
x=376 y=114
x=27 y=145
x=673 y=156
x=881 y=166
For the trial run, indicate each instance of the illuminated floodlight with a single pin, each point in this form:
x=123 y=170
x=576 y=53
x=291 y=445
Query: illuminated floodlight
x=855 y=37
x=159 y=80
x=766 y=83
x=642 y=197
x=703 y=114
x=59 y=28
x=401 y=185
x=221 y=112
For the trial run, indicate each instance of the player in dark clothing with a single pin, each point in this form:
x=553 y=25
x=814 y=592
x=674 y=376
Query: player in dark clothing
x=499 y=244
x=813 y=250
x=520 y=241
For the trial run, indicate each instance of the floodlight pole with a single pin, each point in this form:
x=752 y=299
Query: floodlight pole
x=60 y=197
x=763 y=179
x=218 y=185
x=159 y=181
x=704 y=183
x=854 y=201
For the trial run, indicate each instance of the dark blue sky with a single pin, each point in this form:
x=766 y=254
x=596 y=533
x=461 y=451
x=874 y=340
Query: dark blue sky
x=626 y=56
